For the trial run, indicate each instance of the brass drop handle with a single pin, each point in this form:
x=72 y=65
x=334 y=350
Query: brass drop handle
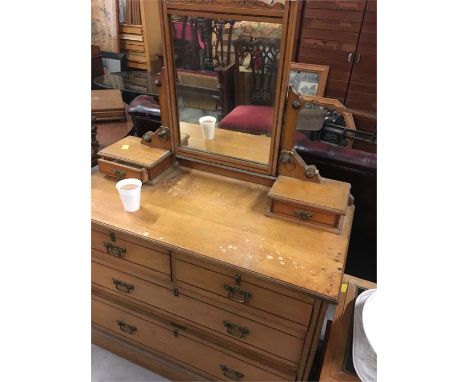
x=114 y=250
x=231 y=373
x=177 y=328
x=118 y=173
x=232 y=290
x=236 y=330
x=123 y=287
x=303 y=215
x=124 y=327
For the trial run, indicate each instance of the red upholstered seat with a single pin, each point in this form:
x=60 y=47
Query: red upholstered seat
x=249 y=119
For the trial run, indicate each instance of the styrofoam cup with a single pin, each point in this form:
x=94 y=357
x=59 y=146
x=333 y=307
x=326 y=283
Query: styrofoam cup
x=130 y=198
x=207 y=124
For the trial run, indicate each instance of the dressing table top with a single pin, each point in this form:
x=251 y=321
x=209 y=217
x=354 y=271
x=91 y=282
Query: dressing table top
x=223 y=219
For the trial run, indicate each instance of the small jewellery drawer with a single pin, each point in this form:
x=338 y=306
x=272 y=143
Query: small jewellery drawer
x=122 y=171
x=304 y=214
x=232 y=285
x=174 y=342
x=243 y=331
x=121 y=248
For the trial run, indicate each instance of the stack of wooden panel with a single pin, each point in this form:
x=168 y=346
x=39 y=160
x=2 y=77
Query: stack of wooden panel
x=132 y=44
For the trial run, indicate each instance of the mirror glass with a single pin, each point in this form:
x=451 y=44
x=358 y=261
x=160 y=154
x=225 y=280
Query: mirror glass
x=226 y=78
x=319 y=122
x=305 y=83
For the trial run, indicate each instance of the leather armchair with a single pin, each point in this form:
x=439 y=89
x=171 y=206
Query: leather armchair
x=360 y=169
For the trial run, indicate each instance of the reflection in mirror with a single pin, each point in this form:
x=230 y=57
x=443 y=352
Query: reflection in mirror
x=303 y=82
x=225 y=73
x=321 y=122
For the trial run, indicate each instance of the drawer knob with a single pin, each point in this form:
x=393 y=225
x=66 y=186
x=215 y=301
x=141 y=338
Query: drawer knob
x=233 y=290
x=231 y=373
x=114 y=250
x=124 y=327
x=236 y=330
x=118 y=173
x=303 y=215
x=123 y=287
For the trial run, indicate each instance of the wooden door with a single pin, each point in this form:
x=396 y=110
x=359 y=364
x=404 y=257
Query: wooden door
x=330 y=36
x=362 y=89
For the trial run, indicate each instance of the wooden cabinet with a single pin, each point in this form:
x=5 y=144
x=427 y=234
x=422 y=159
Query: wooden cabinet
x=343 y=35
x=201 y=280
x=199 y=283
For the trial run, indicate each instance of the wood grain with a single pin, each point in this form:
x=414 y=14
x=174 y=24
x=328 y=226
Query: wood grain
x=189 y=211
x=182 y=347
x=132 y=151
x=330 y=195
x=235 y=144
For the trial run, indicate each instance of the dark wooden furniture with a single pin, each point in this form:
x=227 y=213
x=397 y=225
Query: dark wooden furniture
x=136 y=82
x=96 y=65
x=204 y=70
x=94 y=142
x=145 y=114
x=342 y=35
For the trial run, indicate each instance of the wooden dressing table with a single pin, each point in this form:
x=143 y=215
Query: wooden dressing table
x=199 y=283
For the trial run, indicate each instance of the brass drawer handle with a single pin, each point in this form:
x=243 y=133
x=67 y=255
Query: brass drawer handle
x=118 y=173
x=236 y=330
x=123 y=287
x=114 y=250
x=124 y=327
x=231 y=373
x=303 y=215
x=233 y=289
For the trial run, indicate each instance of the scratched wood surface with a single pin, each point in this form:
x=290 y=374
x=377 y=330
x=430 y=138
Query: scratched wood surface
x=330 y=194
x=223 y=219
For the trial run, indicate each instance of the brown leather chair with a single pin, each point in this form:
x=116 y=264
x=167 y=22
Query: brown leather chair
x=360 y=169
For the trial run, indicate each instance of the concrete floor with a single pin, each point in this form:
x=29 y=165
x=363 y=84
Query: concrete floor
x=108 y=367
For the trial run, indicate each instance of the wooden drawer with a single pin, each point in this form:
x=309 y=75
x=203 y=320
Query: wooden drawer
x=172 y=341
x=123 y=249
x=233 y=285
x=232 y=326
x=304 y=214
x=122 y=171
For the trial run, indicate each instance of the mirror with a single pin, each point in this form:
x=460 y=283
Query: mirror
x=308 y=79
x=226 y=79
x=323 y=119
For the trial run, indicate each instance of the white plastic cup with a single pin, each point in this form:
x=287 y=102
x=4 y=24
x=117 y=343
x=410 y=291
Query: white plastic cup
x=208 y=124
x=130 y=197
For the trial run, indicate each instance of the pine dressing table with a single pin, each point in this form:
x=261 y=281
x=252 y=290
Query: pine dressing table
x=201 y=283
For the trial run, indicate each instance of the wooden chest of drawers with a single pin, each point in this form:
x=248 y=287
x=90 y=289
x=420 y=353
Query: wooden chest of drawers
x=182 y=290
